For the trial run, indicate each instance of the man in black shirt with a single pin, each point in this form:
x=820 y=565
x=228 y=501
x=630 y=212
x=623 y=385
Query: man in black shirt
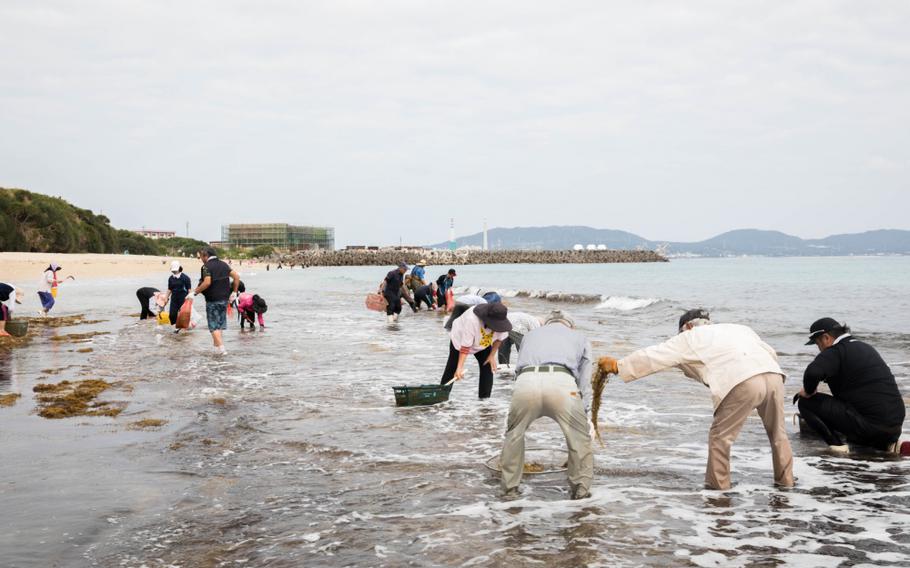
x=865 y=406
x=393 y=288
x=218 y=283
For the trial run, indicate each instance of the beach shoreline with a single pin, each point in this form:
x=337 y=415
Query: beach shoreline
x=25 y=267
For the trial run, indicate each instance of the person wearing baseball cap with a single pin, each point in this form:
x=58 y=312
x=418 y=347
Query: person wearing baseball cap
x=443 y=283
x=478 y=332
x=742 y=373
x=865 y=406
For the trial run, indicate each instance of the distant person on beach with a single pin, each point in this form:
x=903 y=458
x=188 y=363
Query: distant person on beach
x=743 y=374
x=865 y=406
x=393 y=289
x=554 y=380
x=426 y=294
x=218 y=283
x=9 y=297
x=478 y=332
x=178 y=288
x=48 y=287
x=250 y=306
x=443 y=283
x=147 y=302
x=522 y=324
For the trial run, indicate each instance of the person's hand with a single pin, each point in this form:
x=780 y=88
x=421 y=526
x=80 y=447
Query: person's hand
x=492 y=361
x=591 y=431
x=459 y=373
x=232 y=298
x=608 y=365
x=801 y=394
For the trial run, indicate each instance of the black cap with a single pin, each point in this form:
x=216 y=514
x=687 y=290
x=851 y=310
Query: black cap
x=820 y=327
x=452 y=272
x=494 y=316
x=697 y=313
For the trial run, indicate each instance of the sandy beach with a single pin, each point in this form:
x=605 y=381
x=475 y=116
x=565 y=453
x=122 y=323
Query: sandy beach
x=25 y=267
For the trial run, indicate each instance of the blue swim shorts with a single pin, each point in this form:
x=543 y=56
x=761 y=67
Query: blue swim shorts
x=216 y=314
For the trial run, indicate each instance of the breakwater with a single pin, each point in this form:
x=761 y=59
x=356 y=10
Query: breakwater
x=390 y=257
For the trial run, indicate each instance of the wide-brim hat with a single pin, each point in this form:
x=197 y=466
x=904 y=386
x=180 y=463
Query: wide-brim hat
x=494 y=316
x=821 y=327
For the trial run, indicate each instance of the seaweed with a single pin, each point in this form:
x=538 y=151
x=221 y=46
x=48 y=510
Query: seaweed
x=599 y=379
x=60 y=321
x=533 y=467
x=66 y=399
x=78 y=337
x=9 y=399
x=147 y=424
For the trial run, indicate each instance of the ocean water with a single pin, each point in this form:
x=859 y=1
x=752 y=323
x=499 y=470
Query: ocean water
x=289 y=451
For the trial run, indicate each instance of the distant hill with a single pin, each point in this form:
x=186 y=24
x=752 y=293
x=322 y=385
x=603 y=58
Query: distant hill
x=33 y=222
x=732 y=243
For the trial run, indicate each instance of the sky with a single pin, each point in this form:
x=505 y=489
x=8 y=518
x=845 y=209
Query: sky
x=384 y=119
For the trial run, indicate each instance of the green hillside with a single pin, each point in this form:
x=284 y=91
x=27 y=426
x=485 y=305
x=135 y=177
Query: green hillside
x=32 y=222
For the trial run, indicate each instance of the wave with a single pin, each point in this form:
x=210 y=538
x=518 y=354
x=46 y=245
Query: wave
x=626 y=304
x=618 y=303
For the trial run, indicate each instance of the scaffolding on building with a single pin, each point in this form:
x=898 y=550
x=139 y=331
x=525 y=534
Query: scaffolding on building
x=280 y=236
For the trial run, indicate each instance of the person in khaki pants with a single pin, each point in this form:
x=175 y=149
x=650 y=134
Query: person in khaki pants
x=554 y=380
x=743 y=374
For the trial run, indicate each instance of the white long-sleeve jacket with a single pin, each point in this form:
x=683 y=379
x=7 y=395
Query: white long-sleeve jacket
x=719 y=356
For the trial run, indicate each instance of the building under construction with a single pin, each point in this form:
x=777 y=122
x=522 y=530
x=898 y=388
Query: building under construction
x=281 y=236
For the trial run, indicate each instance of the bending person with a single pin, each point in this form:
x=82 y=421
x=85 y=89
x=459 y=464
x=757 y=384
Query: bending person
x=146 y=297
x=865 y=406
x=478 y=332
x=743 y=374
x=554 y=380
x=178 y=288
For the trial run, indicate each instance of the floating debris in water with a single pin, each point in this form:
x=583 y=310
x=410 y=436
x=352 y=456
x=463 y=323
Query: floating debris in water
x=598 y=381
x=9 y=399
x=78 y=337
x=66 y=399
x=84 y=350
x=146 y=424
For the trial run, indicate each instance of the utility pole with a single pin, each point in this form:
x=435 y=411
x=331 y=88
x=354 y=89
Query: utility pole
x=452 y=233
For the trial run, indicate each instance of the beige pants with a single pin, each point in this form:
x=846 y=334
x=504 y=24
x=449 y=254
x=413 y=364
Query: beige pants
x=764 y=393
x=554 y=395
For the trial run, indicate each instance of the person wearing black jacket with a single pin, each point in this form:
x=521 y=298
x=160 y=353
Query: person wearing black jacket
x=393 y=288
x=865 y=406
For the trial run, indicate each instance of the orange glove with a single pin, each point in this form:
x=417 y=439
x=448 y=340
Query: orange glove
x=608 y=365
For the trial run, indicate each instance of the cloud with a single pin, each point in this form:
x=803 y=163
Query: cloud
x=384 y=119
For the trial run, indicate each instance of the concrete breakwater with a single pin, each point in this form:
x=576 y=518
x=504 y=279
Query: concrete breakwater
x=391 y=257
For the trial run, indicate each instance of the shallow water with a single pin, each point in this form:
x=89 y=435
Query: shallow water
x=290 y=452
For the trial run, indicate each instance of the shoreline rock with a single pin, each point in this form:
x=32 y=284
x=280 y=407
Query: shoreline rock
x=391 y=257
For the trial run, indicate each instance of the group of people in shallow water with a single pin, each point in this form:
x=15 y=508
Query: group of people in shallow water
x=553 y=373
x=222 y=289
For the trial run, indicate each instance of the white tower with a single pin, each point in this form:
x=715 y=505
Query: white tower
x=452 y=233
x=485 y=245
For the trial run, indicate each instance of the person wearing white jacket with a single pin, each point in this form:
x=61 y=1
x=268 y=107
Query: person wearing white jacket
x=743 y=374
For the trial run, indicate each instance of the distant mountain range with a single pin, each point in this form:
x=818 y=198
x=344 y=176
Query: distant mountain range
x=732 y=243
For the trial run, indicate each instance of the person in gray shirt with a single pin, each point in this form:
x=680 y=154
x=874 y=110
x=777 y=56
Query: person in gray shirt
x=554 y=380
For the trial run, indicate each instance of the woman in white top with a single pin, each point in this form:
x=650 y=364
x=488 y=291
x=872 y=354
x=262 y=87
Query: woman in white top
x=478 y=332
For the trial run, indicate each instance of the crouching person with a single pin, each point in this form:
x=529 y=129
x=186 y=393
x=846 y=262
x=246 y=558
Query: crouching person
x=250 y=306
x=743 y=374
x=554 y=380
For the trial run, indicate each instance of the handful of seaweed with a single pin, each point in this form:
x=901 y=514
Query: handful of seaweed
x=599 y=379
x=533 y=467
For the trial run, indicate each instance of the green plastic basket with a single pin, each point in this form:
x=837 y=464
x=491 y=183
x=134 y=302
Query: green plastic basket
x=17 y=328
x=421 y=395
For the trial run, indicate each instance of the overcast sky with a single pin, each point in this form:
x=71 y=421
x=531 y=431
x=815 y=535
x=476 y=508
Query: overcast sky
x=672 y=120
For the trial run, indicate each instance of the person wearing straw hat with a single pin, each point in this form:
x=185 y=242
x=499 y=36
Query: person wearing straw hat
x=9 y=297
x=179 y=285
x=743 y=375
x=865 y=406
x=478 y=332
x=554 y=380
x=418 y=275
